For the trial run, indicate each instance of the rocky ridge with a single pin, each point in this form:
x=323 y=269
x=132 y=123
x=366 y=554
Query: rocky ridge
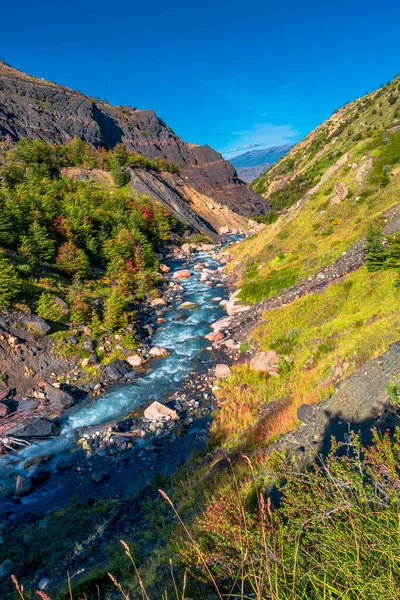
x=35 y=108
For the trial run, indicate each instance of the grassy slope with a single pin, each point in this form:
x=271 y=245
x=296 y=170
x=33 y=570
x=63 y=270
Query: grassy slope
x=324 y=337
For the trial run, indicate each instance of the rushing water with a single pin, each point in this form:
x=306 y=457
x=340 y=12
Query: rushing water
x=186 y=344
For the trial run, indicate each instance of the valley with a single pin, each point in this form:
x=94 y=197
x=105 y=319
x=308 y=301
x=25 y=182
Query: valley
x=138 y=269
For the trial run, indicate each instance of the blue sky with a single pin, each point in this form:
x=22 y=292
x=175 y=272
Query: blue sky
x=230 y=74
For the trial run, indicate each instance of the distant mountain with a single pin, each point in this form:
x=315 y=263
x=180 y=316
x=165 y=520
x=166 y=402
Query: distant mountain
x=251 y=164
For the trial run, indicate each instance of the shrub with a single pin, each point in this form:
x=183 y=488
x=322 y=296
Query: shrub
x=375 y=252
x=72 y=260
x=49 y=308
x=114 y=306
x=10 y=284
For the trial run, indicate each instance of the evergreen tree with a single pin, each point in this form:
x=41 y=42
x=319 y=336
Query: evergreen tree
x=394 y=252
x=38 y=244
x=72 y=260
x=7 y=233
x=49 y=308
x=10 y=284
x=114 y=305
x=375 y=252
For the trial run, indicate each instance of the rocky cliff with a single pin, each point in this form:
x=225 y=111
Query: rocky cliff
x=35 y=108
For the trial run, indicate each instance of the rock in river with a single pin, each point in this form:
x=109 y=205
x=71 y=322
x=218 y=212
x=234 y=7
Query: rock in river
x=23 y=486
x=156 y=410
x=182 y=274
x=156 y=352
x=58 y=398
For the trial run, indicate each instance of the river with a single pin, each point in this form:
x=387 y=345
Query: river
x=184 y=339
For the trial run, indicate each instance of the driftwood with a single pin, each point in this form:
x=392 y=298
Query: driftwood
x=127 y=434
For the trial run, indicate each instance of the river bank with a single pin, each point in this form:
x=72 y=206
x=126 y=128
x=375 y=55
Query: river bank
x=90 y=460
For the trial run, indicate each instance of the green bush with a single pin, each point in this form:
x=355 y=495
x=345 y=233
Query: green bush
x=375 y=253
x=10 y=284
x=49 y=308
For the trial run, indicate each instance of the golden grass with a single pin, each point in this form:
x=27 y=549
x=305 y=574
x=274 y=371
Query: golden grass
x=326 y=336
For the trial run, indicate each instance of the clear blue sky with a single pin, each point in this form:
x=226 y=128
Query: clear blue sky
x=227 y=73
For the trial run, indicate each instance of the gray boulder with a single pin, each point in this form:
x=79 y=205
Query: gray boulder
x=6 y=568
x=23 y=486
x=36 y=323
x=117 y=369
x=88 y=345
x=64 y=463
x=35 y=428
x=58 y=398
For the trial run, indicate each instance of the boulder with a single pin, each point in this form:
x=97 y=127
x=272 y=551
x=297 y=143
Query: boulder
x=221 y=324
x=135 y=360
x=188 y=305
x=44 y=584
x=62 y=304
x=99 y=476
x=117 y=369
x=58 y=399
x=156 y=411
x=156 y=352
x=224 y=229
x=35 y=428
x=3 y=410
x=158 y=302
x=182 y=274
x=164 y=268
x=264 y=361
x=340 y=193
x=64 y=463
x=85 y=362
x=6 y=568
x=41 y=473
x=222 y=371
x=187 y=248
x=214 y=336
x=37 y=460
x=149 y=329
x=88 y=345
x=23 y=486
x=234 y=306
x=36 y=323
x=306 y=414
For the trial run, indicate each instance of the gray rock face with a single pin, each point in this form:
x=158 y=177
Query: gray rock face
x=32 y=108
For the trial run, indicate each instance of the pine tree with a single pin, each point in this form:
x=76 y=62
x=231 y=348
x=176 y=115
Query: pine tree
x=394 y=252
x=72 y=260
x=7 y=234
x=375 y=252
x=38 y=244
x=10 y=284
x=49 y=308
x=114 y=316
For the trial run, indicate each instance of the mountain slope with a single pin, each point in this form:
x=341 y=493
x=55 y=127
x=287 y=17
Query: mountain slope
x=330 y=303
x=35 y=108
